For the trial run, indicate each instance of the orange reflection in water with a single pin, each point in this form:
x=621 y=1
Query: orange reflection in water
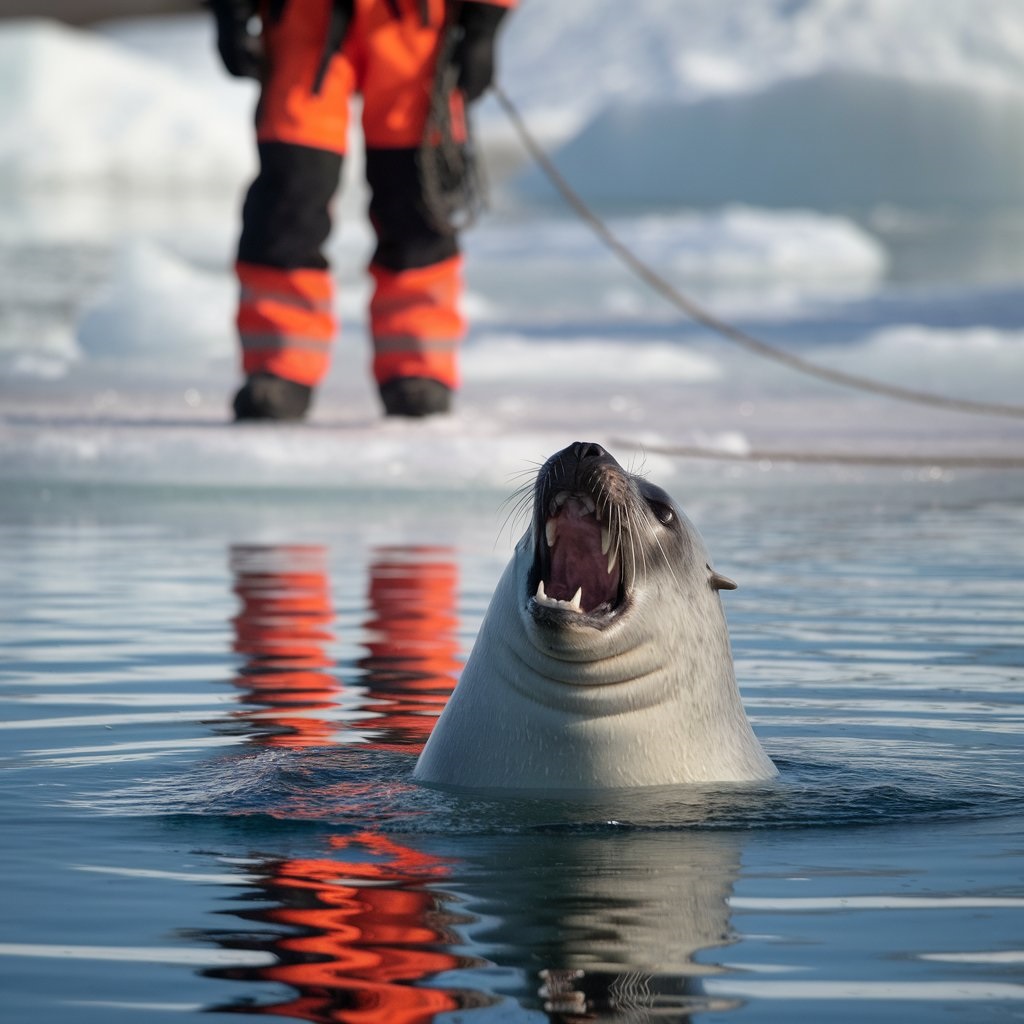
x=358 y=933
x=283 y=629
x=362 y=932
x=285 y=626
x=412 y=658
x=362 y=935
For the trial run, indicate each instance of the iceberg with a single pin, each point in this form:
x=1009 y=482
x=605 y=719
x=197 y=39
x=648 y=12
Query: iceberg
x=829 y=141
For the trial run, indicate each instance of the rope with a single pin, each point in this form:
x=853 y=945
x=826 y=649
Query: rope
x=451 y=177
x=910 y=461
x=697 y=313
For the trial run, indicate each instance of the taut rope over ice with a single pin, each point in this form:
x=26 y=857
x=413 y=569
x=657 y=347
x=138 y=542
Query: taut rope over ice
x=730 y=332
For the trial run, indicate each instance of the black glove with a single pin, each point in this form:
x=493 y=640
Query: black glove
x=240 y=49
x=474 y=53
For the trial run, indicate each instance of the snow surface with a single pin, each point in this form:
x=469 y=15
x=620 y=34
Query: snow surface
x=124 y=153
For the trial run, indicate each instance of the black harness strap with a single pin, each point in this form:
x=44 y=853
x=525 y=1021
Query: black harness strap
x=340 y=19
x=396 y=10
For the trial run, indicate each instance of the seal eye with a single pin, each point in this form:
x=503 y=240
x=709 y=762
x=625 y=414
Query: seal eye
x=662 y=512
x=661 y=505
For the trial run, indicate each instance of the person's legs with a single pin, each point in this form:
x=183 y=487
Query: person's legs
x=285 y=318
x=285 y=313
x=415 y=320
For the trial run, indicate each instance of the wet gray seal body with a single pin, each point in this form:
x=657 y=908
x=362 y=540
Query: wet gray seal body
x=603 y=660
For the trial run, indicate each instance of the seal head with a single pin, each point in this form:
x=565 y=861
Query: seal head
x=603 y=660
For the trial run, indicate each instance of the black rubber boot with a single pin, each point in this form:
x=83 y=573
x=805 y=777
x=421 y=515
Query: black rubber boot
x=265 y=396
x=415 y=396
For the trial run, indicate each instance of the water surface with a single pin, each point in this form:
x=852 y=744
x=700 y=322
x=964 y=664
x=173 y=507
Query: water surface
x=212 y=702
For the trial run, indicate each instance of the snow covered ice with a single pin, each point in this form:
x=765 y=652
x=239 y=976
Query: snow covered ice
x=844 y=179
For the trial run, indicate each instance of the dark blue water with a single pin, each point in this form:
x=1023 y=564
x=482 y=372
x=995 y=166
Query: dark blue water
x=212 y=702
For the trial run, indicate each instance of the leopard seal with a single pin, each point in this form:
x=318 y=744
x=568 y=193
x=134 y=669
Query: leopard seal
x=603 y=660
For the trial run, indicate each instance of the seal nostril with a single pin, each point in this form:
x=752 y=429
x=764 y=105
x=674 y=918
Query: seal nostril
x=588 y=450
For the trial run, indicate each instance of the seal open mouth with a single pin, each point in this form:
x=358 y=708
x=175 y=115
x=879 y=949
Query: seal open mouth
x=580 y=570
x=576 y=566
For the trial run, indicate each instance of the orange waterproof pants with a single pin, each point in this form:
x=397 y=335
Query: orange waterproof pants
x=286 y=317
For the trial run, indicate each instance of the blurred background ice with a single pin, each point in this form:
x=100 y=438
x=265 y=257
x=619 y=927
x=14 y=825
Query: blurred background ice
x=842 y=177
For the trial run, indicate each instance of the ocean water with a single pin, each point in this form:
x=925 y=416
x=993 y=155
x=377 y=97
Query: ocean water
x=212 y=702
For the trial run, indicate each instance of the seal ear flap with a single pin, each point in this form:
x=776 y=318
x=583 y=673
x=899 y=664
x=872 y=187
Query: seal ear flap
x=720 y=582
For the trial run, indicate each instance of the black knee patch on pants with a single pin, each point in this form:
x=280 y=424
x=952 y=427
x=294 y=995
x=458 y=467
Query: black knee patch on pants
x=285 y=219
x=405 y=238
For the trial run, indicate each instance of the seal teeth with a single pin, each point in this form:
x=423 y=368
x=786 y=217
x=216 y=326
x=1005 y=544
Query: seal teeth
x=575 y=605
x=551 y=532
x=608 y=549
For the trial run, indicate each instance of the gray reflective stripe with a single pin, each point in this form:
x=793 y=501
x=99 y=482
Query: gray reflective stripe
x=281 y=342
x=306 y=303
x=404 y=343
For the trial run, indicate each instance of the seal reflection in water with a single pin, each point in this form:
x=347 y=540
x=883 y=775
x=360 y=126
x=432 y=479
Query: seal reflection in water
x=603 y=660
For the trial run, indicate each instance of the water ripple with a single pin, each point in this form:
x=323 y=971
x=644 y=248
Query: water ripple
x=354 y=788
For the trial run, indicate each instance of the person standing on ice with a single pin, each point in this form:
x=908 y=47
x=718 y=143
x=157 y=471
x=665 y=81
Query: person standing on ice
x=310 y=57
